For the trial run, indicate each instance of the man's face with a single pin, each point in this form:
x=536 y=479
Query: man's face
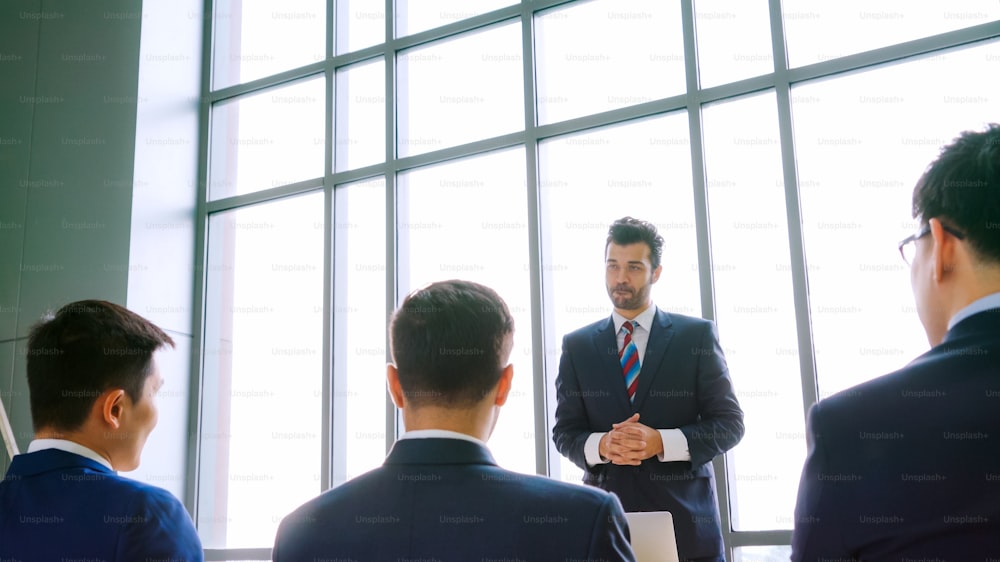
x=629 y=275
x=140 y=421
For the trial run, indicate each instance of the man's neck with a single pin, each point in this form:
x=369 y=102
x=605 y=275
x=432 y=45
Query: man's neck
x=469 y=422
x=78 y=437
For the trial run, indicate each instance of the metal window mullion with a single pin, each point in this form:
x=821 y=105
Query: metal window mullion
x=200 y=270
x=237 y=554
x=332 y=437
x=703 y=234
x=391 y=281
x=793 y=209
x=534 y=242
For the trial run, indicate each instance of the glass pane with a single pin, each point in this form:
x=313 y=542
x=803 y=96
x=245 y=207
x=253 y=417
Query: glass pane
x=818 y=31
x=734 y=40
x=359 y=402
x=258 y=39
x=263 y=353
x=360 y=121
x=588 y=180
x=775 y=553
x=486 y=246
x=858 y=140
x=449 y=86
x=754 y=306
x=602 y=55
x=267 y=139
x=360 y=24
x=420 y=15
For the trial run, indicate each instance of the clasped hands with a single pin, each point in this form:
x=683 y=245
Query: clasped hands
x=630 y=442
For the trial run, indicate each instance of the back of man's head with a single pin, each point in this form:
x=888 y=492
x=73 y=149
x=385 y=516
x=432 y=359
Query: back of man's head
x=450 y=342
x=962 y=189
x=84 y=349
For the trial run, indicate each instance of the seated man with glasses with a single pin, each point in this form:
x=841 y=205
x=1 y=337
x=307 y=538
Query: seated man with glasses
x=907 y=466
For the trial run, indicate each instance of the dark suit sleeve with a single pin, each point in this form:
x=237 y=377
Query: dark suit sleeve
x=720 y=418
x=610 y=539
x=572 y=428
x=815 y=535
x=158 y=528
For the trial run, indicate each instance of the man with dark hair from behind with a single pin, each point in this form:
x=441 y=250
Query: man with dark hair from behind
x=92 y=379
x=907 y=466
x=440 y=494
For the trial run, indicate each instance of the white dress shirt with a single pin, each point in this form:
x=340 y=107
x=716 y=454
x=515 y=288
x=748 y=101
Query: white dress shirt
x=675 y=445
x=69 y=447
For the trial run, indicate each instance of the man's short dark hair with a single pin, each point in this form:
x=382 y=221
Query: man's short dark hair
x=84 y=349
x=450 y=342
x=628 y=230
x=962 y=189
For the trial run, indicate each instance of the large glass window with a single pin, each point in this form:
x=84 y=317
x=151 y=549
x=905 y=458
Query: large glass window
x=496 y=141
x=756 y=313
x=263 y=354
x=865 y=320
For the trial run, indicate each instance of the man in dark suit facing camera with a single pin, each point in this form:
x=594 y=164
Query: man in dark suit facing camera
x=440 y=495
x=907 y=466
x=644 y=398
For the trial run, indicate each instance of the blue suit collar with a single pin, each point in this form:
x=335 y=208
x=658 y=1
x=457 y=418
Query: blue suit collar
x=48 y=460
x=438 y=451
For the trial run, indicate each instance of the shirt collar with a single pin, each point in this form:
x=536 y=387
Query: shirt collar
x=69 y=447
x=440 y=434
x=979 y=305
x=643 y=319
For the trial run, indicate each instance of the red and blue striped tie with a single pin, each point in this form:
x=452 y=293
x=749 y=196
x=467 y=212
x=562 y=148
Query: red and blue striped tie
x=629 y=358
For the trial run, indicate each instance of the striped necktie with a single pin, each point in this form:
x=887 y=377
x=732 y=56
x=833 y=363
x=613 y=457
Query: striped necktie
x=629 y=358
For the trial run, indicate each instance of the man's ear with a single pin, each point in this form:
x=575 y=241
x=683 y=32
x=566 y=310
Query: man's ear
x=395 y=389
x=943 y=251
x=656 y=273
x=503 y=385
x=112 y=405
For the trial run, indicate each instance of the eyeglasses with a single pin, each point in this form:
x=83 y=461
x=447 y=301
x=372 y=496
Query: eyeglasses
x=908 y=246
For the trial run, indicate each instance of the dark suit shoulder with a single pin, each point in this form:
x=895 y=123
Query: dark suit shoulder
x=588 y=330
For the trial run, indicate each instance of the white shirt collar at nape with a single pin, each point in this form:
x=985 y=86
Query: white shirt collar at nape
x=69 y=447
x=440 y=434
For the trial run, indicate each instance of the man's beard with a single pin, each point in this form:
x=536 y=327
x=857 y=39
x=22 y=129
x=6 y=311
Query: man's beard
x=631 y=301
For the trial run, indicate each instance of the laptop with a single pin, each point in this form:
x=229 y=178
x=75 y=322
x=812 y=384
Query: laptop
x=652 y=535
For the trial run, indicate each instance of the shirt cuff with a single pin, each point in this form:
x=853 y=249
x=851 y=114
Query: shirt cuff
x=592 y=449
x=675 y=446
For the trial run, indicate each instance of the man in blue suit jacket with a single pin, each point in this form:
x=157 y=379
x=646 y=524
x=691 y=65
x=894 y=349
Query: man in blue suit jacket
x=650 y=437
x=907 y=466
x=440 y=494
x=92 y=380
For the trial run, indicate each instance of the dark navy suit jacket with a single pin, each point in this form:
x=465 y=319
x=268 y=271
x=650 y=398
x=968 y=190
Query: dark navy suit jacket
x=683 y=383
x=447 y=500
x=57 y=506
x=907 y=466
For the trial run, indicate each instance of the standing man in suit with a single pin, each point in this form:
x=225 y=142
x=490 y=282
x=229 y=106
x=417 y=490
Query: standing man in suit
x=644 y=398
x=907 y=466
x=92 y=381
x=440 y=494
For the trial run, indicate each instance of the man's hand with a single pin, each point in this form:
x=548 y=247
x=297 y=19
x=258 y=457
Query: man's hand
x=630 y=442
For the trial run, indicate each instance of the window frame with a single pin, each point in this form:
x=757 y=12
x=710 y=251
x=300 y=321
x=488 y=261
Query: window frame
x=781 y=80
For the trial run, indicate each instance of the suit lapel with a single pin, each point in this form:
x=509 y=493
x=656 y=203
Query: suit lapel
x=660 y=334
x=606 y=344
